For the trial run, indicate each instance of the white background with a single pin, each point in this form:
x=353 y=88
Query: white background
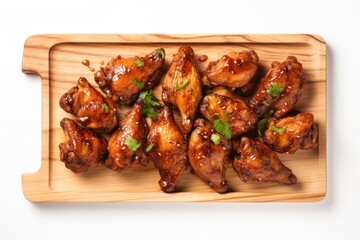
x=336 y=217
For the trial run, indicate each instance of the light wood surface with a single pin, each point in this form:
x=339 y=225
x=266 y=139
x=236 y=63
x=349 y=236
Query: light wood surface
x=57 y=59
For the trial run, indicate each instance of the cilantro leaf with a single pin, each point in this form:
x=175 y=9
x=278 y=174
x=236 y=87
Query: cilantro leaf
x=132 y=143
x=181 y=85
x=271 y=112
x=216 y=139
x=278 y=130
x=151 y=105
x=139 y=63
x=161 y=52
x=223 y=127
x=275 y=89
x=137 y=83
x=266 y=103
x=148 y=149
x=150 y=111
x=104 y=107
x=261 y=126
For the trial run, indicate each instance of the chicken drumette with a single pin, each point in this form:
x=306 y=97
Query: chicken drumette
x=91 y=109
x=230 y=109
x=82 y=148
x=209 y=154
x=182 y=87
x=280 y=89
x=235 y=70
x=167 y=148
x=123 y=78
x=257 y=162
x=291 y=133
x=127 y=145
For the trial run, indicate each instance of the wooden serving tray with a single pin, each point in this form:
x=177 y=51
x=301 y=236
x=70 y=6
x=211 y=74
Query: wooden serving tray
x=57 y=59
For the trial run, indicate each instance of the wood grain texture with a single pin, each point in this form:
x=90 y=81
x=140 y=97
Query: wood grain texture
x=57 y=59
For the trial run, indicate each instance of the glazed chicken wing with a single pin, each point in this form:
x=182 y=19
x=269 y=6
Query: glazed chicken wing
x=167 y=148
x=182 y=87
x=280 y=89
x=209 y=154
x=123 y=78
x=127 y=145
x=91 y=109
x=291 y=133
x=82 y=148
x=231 y=109
x=257 y=162
x=235 y=70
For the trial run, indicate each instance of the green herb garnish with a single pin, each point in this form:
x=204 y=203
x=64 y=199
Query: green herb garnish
x=104 y=107
x=271 y=112
x=132 y=143
x=266 y=103
x=261 y=126
x=278 y=130
x=161 y=52
x=151 y=106
x=181 y=85
x=137 y=83
x=139 y=63
x=216 y=139
x=275 y=89
x=148 y=149
x=223 y=127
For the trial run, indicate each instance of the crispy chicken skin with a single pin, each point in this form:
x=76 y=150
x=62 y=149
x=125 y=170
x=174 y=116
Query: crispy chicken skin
x=208 y=160
x=132 y=126
x=169 y=149
x=299 y=131
x=289 y=75
x=91 y=109
x=82 y=148
x=235 y=69
x=257 y=162
x=121 y=76
x=183 y=72
x=231 y=109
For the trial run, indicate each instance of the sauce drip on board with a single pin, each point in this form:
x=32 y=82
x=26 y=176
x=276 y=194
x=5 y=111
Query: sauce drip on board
x=86 y=63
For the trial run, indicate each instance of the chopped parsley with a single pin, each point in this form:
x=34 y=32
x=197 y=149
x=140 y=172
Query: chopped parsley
x=271 y=112
x=161 y=52
x=278 y=130
x=223 y=127
x=104 y=107
x=261 y=126
x=275 y=89
x=148 y=149
x=151 y=106
x=137 y=83
x=181 y=85
x=132 y=143
x=139 y=63
x=216 y=138
x=266 y=103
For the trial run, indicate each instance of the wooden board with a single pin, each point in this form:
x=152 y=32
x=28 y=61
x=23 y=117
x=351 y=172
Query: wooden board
x=57 y=59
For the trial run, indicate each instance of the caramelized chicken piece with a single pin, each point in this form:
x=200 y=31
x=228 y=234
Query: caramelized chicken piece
x=291 y=133
x=127 y=144
x=257 y=162
x=167 y=149
x=91 y=109
x=280 y=89
x=209 y=154
x=231 y=109
x=82 y=148
x=123 y=78
x=235 y=69
x=182 y=87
